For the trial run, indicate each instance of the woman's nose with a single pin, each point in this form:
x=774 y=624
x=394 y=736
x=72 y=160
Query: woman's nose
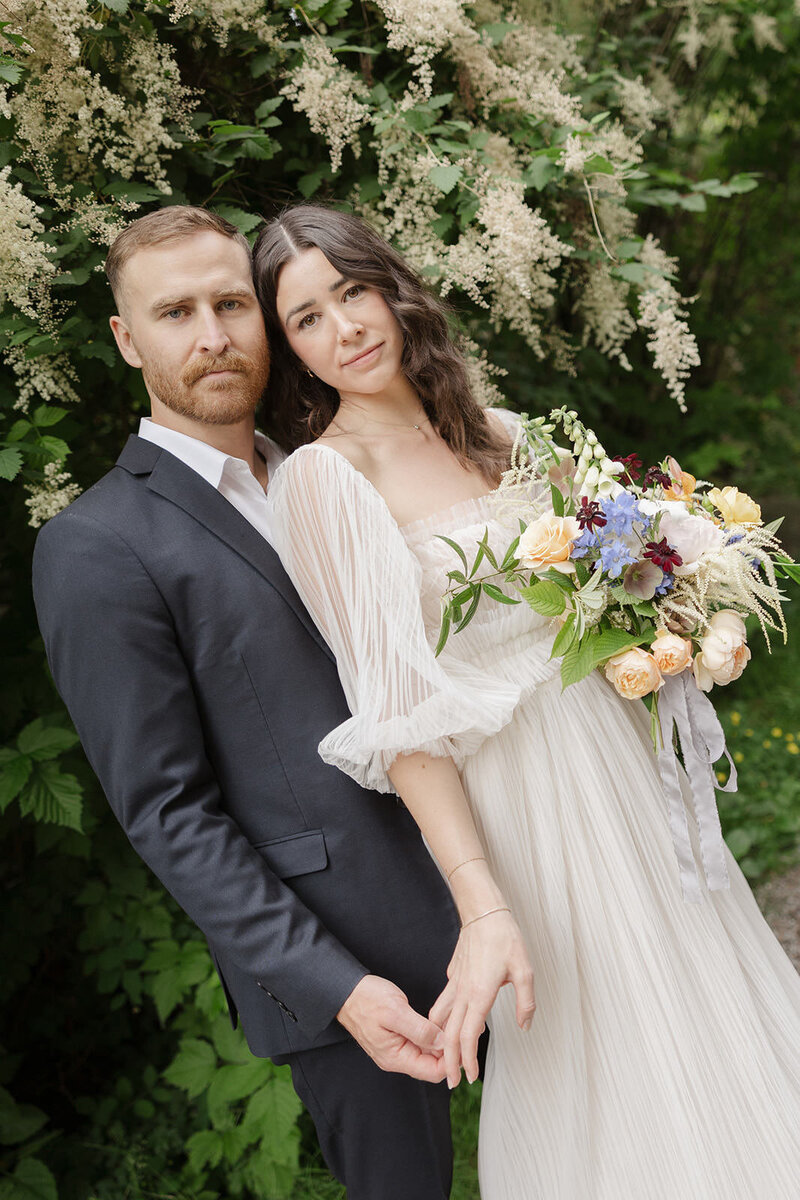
x=347 y=328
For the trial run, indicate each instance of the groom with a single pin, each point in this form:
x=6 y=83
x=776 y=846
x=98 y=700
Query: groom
x=200 y=689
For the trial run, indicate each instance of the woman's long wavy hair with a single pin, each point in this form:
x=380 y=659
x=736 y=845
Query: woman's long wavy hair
x=300 y=406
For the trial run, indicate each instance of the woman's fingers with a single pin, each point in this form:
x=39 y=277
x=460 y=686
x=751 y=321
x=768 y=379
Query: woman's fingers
x=471 y=1030
x=443 y=1006
x=522 y=979
x=452 y=1043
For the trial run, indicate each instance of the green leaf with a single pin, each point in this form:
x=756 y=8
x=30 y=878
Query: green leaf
x=235 y=1081
x=633 y=272
x=540 y=172
x=739 y=841
x=510 y=554
x=455 y=546
x=473 y=608
x=10 y=464
x=117 y=6
x=597 y=165
x=245 y=222
x=137 y=193
x=53 y=797
x=31 y=1181
x=578 y=661
x=694 y=202
x=495 y=593
x=43 y=742
x=557 y=500
x=13 y=777
x=445 y=177
x=18 y=430
x=55 y=447
x=229 y=1043
x=564 y=638
x=444 y=632
x=48 y=414
x=193 y=1067
x=18 y=1122
x=101 y=350
x=10 y=72
x=614 y=641
x=275 y=1108
x=545 y=598
x=204 y=1149
x=267 y=107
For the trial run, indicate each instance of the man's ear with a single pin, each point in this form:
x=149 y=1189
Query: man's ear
x=122 y=336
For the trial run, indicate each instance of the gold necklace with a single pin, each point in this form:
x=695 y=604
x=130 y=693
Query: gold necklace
x=386 y=424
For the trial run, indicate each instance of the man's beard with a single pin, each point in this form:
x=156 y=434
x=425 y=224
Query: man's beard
x=221 y=401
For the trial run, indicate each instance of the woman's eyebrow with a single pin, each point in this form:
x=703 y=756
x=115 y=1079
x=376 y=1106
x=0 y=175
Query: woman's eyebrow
x=298 y=308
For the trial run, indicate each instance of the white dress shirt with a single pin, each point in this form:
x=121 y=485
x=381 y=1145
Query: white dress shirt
x=230 y=476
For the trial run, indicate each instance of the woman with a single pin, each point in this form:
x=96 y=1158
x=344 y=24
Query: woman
x=664 y=1058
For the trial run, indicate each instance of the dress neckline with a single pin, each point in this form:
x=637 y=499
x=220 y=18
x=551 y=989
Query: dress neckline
x=418 y=523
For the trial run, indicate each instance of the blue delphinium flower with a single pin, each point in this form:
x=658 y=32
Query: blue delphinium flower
x=586 y=541
x=622 y=514
x=615 y=556
x=666 y=583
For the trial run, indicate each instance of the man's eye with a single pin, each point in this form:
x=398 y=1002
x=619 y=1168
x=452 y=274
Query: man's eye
x=174 y=312
x=230 y=305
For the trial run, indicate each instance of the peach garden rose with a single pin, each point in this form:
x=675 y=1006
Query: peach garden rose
x=547 y=542
x=724 y=652
x=672 y=653
x=634 y=673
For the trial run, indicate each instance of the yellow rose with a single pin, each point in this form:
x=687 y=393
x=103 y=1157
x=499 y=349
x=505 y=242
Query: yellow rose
x=634 y=673
x=737 y=508
x=724 y=652
x=547 y=542
x=672 y=654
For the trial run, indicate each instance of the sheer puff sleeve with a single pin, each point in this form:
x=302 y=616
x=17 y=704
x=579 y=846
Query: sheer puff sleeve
x=360 y=582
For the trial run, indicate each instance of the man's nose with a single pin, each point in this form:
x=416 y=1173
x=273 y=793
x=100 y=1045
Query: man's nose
x=212 y=336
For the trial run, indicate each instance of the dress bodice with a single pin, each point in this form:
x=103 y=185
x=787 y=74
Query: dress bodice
x=510 y=642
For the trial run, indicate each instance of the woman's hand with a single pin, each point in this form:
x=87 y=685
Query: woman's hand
x=489 y=954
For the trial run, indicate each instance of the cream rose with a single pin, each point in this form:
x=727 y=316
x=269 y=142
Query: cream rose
x=634 y=673
x=547 y=542
x=690 y=535
x=723 y=653
x=672 y=654
x=735 y=507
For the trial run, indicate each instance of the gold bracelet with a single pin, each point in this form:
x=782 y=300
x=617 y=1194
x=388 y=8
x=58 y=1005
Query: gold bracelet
x=478 y=858
x=472 y=920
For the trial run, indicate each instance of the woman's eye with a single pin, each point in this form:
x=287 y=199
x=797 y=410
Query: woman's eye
x=307 y=321
x=354 y=291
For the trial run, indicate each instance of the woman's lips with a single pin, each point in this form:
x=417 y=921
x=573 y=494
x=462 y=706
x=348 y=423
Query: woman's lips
x=368 y=356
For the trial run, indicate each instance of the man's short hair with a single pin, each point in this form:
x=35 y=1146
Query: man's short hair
x=164 y=225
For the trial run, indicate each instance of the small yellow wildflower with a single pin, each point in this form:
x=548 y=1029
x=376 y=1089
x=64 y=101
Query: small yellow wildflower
x=776 y=731
x=790 y=737
x=721 y=776
x=736 y=718
x=793 y=748
x=766 y=743
x=748 y=732
x=738 y=757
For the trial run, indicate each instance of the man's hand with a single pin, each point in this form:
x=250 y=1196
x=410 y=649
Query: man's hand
x=377 y=1014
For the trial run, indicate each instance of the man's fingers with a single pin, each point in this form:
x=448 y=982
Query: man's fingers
x=417 y=1029
x=526 y=998
x=410 y=1061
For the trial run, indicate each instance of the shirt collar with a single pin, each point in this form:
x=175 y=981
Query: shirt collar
x=206 y=460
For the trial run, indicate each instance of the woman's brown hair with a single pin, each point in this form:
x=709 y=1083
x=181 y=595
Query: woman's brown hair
x=300 y=407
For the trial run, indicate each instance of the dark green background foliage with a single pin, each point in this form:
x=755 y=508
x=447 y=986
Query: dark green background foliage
x=121 y=1077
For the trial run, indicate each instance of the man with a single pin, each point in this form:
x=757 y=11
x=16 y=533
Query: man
x=200 y=689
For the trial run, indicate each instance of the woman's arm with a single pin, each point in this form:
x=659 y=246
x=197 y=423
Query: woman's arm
x=490 y=950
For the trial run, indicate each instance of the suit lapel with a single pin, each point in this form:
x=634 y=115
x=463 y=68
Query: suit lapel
x=172 y=479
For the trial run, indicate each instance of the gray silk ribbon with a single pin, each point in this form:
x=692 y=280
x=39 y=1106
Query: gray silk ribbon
x=682 y=707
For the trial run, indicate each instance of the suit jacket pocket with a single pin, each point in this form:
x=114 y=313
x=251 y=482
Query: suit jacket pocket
x=298 y=854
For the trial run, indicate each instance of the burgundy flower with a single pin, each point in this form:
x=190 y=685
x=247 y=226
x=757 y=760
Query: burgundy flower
x=662 y=554
x=632 y=464
x=655 y=475
x=590 y=514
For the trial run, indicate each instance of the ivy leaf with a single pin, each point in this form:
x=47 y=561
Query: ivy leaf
x=53 y=797
x=445 y=177
x=545 y=598
x=578 y=662
x=14 y=774
x=193 y=1067
x=31 y=1181
x=43 y=742
x=10 y=464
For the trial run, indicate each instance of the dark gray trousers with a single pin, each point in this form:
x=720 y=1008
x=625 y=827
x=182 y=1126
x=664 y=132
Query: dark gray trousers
x=384 y=1136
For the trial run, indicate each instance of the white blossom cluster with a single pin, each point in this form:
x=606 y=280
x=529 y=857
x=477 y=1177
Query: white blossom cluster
x=662 y=313
x=47 y=377
x=332 y=99
x=639 y=104
x=481 y=373
x=25 y=265
x=57 y=490
x=223 y=17
x=765 y=32
x=607 y=320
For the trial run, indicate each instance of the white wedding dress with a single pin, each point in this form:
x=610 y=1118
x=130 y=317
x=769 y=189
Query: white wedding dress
x=664 y=1058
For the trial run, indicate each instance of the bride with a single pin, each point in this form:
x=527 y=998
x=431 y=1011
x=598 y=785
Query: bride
x=663 y=1059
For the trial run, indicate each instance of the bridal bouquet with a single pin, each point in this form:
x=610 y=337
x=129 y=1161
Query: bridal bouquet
x=648 y=575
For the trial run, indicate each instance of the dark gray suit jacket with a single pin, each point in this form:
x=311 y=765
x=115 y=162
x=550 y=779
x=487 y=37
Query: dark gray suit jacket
x=200 y=689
